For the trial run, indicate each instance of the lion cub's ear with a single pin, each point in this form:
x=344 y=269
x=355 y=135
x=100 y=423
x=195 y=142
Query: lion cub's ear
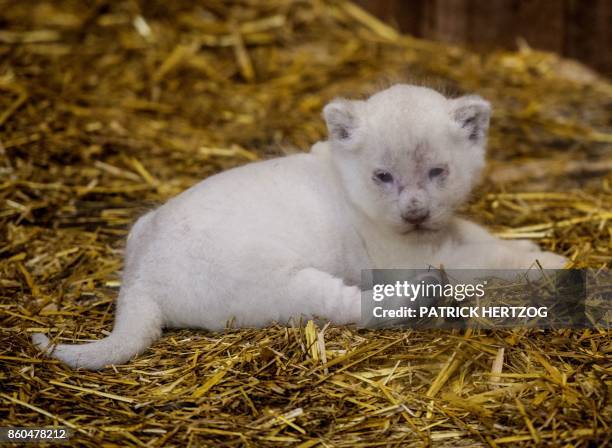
x=472 y=113
x=341 y=118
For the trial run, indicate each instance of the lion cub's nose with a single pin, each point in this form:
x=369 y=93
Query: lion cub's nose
x=415 y=218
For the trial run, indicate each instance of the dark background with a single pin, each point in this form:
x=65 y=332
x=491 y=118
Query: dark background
x=577 y=29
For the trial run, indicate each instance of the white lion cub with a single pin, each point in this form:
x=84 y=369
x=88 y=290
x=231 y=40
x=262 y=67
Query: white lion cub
x=290 y=236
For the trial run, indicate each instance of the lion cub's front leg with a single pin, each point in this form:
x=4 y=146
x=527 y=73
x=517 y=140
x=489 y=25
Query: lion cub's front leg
x=475 y=247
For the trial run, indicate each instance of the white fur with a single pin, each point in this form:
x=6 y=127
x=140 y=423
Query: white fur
x=289 y=236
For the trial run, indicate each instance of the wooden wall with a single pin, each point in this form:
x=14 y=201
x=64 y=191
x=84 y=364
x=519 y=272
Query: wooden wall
x=580 y=29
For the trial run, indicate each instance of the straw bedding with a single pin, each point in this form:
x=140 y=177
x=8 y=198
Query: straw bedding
x=109 y=108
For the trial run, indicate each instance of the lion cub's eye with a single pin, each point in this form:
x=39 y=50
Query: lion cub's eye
x=383 y=176
x=435 y=172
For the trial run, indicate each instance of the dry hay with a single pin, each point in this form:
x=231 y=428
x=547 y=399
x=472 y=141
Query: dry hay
x=108 y=108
